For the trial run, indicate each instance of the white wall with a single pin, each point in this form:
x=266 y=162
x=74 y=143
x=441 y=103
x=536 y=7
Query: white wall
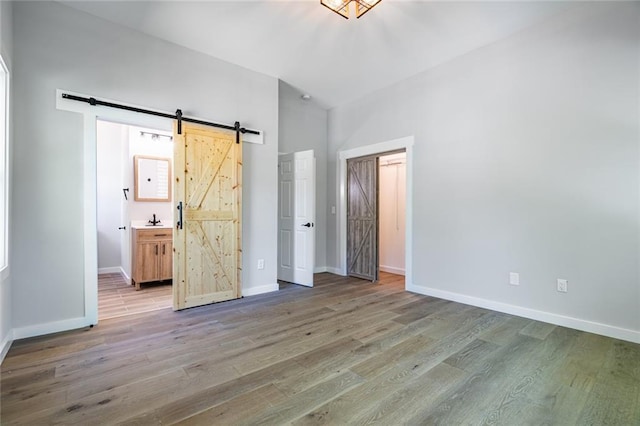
x=6 y=49
x=110 y=143
x=58 y=47
x=526 y=160
x=392 y=186
x=302 y=126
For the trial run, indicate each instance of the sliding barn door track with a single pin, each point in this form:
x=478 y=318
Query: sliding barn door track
x=177 y=116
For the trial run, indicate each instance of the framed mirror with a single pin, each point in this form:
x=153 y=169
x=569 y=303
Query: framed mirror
x=152 y=178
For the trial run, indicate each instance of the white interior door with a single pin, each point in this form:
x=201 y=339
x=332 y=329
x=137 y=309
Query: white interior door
x=296 y=217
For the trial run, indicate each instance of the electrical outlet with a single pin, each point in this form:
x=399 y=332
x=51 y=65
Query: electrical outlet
x=514 y=278
x=260 y=263
x=562 y=285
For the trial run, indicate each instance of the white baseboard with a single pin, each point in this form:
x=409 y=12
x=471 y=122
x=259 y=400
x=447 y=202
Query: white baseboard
x=392 y=270
x=126 y=277
x=115 y=270
x=319 y=269
x=6 y=345
x=50 y=327
x=260 y=289
x=562 y=320
x=335 y=271
x=110 y=270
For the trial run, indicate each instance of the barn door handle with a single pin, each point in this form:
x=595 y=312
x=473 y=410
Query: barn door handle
x=308 y=224
x=179 y=224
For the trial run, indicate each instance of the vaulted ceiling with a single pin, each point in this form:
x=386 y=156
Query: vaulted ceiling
x=333 y=59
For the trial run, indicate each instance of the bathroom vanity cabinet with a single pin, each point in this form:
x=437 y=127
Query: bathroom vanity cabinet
x=152 y=250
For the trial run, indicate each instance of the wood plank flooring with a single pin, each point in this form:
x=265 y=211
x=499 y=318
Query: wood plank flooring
x=344 y=352
x=117 y=298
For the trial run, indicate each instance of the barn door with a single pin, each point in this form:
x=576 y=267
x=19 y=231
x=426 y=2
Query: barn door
x=362 y=217
x=208 y=191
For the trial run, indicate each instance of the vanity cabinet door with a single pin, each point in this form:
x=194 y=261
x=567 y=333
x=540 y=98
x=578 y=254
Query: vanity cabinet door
x=166 y=260
x=152 y=255
x=147 y=262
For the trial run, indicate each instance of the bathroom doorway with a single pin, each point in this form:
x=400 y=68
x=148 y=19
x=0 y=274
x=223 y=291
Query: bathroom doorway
x=120 y=212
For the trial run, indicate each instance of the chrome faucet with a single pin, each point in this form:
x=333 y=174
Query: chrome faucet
x=154 y=222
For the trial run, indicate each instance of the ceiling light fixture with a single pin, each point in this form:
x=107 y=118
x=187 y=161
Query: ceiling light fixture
x=341 y=7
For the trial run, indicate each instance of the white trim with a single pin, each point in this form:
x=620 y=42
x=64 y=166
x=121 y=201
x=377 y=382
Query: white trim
x=126 y=277
x=405 y=143
x=392 y=270
x=5 y=270
x=548 y=317
x=50 y=327
x=110 y=270
x=6 y=345
x=253 y=291
x=115 y=270
x=320 y=269
x=90 y=219
x=6 y=157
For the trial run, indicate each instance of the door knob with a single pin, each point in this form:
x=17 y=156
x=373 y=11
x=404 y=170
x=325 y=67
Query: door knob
x=122 y=227
x=308 y=224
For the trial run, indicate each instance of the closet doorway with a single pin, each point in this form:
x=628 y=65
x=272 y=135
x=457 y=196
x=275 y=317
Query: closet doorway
x=376 y=188
x=375 y=256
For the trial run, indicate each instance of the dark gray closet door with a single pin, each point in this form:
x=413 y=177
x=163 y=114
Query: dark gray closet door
x=362 y=217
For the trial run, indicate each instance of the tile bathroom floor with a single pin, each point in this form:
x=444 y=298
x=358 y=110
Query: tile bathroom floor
x=118 y=298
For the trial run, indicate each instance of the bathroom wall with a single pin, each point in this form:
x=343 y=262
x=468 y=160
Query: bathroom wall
x=111 y=140
x=154 y=147
x=391 y=211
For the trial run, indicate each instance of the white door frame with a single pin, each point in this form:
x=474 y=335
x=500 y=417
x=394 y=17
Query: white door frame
x=90 y=193
x=405 y=143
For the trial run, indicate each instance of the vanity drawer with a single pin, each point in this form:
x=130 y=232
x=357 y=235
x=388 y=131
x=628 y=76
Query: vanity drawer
x=153 y=234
